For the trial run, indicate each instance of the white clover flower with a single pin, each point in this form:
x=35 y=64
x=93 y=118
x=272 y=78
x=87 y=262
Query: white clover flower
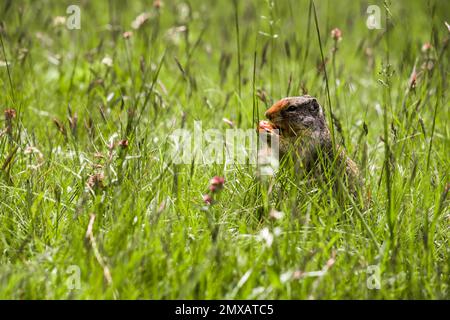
x=59 y=21
x=266 y=236
x=107 y=61
x=275 y=214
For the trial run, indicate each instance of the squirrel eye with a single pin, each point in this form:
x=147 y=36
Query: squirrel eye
x=292 y=108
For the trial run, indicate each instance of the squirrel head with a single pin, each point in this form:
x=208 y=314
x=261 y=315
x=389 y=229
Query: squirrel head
x=297 y=115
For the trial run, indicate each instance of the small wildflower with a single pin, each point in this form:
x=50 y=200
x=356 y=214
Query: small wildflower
x=426 y=47
x=140 y=20
x=336 y=34
x=59 y=21
x=217 y=182
x=276 y=215
x=107 y=61
x=95 y=181
x=10 y=114
x=266 y=236
x=127 y=34
x=123 y=143
x=207 y=199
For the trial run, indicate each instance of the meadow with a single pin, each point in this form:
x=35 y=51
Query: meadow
x=92 y=206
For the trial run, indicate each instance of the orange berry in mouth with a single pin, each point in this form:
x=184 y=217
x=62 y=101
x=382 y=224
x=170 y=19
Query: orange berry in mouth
x=266 y=126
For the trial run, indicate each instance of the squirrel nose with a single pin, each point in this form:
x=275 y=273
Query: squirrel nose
x=268 y=115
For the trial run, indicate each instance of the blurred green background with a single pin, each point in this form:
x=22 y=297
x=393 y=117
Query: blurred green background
x=87 y=146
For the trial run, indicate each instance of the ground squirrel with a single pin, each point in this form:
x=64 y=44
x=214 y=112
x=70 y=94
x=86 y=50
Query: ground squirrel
x=303 y=130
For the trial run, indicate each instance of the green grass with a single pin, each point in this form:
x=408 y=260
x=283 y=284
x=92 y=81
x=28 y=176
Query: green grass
x=152 y=237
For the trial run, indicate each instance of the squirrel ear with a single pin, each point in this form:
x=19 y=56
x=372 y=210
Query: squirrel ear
x=314 y=105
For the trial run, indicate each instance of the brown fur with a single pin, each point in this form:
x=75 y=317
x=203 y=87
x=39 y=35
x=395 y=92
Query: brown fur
x=303 y=130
